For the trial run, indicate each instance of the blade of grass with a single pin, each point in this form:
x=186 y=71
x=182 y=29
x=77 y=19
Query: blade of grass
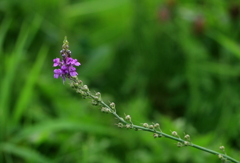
x=219 y=68
x=29 y=155
x=6 y=86
x=3 y=30
x=26 y=92
x=88 y=7
x=52 y=126
x=26 y=34
x=227 y=43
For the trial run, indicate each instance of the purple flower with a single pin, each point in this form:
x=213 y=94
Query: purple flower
x=67 y=68
x=66 y=64
x=64 y=67
x=74 y=62
x=57 y=73
x=72 y=71
x=56 y=62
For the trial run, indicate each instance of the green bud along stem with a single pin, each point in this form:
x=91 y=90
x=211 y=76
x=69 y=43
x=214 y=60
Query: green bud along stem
x=84 y=91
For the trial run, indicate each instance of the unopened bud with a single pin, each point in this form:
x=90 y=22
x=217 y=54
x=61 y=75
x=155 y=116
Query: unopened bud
x=145 y=125
x=80 y=82
x=156 y=125
x=155 y=135
x=186 y=143
x=151 y=126
x=112 y=105
x=75 y=85
x=222 y=148
x=103 y=109
x=174 y=133
x=69 y=53
x=94 y=102
x=108 y=110
x=65 y=46
x=62 y=51
x=120 y=125
x=128 y=126
x=82 y=93
x=187 y=137
x=128 y=117
x=97 y=96
x=179 y=144
x=85 y=88
x=220 y=156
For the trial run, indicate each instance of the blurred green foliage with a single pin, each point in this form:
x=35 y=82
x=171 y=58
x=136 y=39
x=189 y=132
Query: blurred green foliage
x=171 y=62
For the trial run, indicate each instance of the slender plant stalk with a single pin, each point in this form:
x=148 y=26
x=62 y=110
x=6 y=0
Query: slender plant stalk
x=78 y=86
x=67 y=70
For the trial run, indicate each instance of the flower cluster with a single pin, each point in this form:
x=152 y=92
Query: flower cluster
x=67 y=69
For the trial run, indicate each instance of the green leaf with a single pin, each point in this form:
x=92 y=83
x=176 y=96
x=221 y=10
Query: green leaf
x=26 y=93
x=27 y=154
x=3 y=30
x=227 y=43
x=88 y=7
x=52 y=126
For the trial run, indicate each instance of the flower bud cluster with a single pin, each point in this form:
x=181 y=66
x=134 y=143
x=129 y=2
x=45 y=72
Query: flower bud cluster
x=105 y=110
x=84 y=91
x=120 y=125
x=221 y=157
x=112 y=105
x=155 y=135
x=127 y=126
x=67 y=69
x=153 y=126
x=222 y=148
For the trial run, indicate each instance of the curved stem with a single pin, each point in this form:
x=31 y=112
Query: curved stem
x=171 y=137
x=86 y=92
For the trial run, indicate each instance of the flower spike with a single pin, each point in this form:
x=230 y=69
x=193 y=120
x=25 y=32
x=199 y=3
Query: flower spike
x=67 y=69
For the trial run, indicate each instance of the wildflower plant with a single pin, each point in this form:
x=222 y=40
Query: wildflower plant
x=68 y=71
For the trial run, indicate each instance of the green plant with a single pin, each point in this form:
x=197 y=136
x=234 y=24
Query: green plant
x=126 y=122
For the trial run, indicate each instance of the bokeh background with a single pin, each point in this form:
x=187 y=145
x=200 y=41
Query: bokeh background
x=172 y=62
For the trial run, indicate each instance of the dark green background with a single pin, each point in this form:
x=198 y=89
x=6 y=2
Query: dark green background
x=172 y=62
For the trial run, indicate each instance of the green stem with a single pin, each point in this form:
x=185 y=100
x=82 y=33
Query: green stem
x=153 y=130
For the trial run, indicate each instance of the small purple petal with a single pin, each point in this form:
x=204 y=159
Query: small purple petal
x=56 y=62
x=77 y=64
x=74 y=73
x=57 y=71
x=72 y=68
x=69 y=61
x=65 y=72
x=56 y=75
x=63 y=67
